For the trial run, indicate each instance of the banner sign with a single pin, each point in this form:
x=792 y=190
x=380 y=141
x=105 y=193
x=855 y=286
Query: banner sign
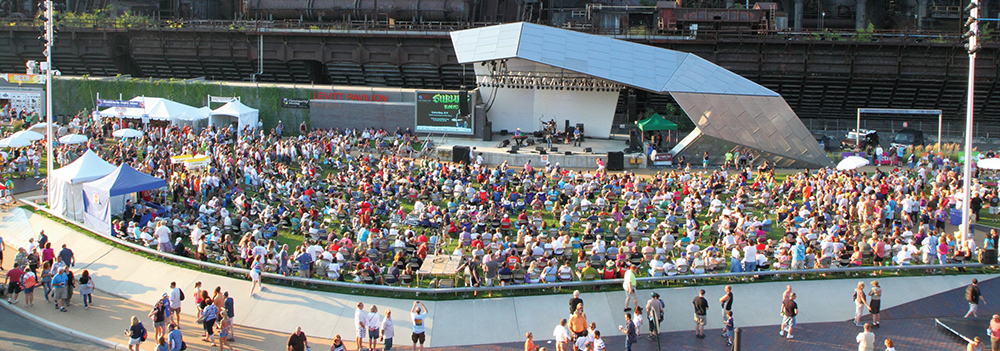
x=120 y=103
x=294 y=103
x=222 y=99
x=438 y=111
x=23 y=78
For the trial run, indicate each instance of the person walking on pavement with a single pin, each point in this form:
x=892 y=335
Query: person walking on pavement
x=629 y=286
x=13 y=282
x=67 y=257
x=654 y=313
x=175 y=305
x=875 y=304
x=866 y=339
x=700 y=311
x=730 y=325
x=298 y=341
x=175 y=338
x=973 y=295
x=419 y=316
x=562 y=334
x=631 y=334
x=228 y=307
x=59 y=285
x=727 y=304
x=136 y=333
x=359 y=325
x=789 y=309
x=860 y=303
x=387 y=330
x=575 y=301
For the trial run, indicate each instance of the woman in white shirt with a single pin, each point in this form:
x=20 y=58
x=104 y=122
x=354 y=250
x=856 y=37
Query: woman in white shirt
x=656 y=266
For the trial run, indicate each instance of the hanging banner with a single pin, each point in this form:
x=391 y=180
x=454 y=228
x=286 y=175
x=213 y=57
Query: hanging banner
x=15 y=78
x=120 y=103
x=222 y=99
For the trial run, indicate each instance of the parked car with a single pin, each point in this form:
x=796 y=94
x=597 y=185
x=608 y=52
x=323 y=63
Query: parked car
x=908 y=138
x=867 y=138
x=824 y=141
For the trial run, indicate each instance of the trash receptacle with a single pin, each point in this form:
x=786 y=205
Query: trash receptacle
x=956 y=216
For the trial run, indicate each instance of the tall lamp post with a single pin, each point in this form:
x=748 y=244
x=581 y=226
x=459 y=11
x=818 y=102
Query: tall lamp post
x=973 y=47
x=48 y=38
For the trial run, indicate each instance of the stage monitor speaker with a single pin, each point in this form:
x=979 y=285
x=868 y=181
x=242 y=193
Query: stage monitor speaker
x=554 y=149
x=504 y=132
x=488 y=131
x=588 y=150
x=616 y=161
x=569 y=153
x=633 y=113
x=515 y=148
x=460 y=154
x=463 y=102
x=540 y=149
x=529 y=141
x=989 y=256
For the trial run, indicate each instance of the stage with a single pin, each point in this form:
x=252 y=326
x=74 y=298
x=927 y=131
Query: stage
x=967 y=328
x=578 y=157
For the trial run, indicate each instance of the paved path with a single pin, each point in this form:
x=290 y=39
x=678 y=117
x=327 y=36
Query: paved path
x=20 y=334
x=136 y=282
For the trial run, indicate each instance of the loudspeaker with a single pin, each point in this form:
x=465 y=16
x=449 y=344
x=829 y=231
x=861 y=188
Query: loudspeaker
x=579 y=126
x=463 y=102
x=541 y=150
x=633 y=140
x=616 y=161
x=460 y=154
x=633 y=113
x=989 y=256
x=529 y=141
x=569 y=153
x=554 y=149
x=504 y=143
x=504 y=132
x=588 y=150
x=488 y=131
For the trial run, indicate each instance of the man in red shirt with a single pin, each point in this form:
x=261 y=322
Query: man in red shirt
x=422 y=250
x=14 y=282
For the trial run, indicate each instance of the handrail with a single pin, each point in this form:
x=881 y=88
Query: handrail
x=433 y=291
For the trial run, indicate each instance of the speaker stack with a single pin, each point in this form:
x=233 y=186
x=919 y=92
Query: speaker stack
x=616 y=161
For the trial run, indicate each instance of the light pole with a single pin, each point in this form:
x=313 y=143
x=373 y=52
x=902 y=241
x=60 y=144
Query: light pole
x=972 y=46
x=48 y=38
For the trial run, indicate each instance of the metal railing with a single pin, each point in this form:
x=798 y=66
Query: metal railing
x=31 y=201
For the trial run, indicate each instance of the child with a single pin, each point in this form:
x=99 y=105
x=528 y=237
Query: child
x=729 y=328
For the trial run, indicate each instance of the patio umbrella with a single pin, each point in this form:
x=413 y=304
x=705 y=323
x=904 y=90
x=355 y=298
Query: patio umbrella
x=14 y=142
x=851 y=162
x=40 y=127
x=127 y=133
x=989 y=163
x=29 y=135
x=73 y=139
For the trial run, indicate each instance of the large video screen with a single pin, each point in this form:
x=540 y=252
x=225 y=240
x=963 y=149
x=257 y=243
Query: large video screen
x=439 y=112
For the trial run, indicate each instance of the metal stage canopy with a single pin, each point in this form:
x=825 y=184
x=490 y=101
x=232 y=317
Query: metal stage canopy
x=729 y=111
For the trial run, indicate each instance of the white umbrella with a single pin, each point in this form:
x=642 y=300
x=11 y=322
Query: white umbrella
x=989 y=163
x=29 y=135
x=127 y=133
x=851 y=162
x=40 y=127
x=14 y=142
x=73 y=139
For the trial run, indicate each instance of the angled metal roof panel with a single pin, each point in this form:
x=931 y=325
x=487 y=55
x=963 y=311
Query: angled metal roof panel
x=632 y=64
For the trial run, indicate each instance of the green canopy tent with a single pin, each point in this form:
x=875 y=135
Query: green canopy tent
x=656 y=123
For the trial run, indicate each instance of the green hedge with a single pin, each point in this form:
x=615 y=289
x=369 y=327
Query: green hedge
x=72 y=95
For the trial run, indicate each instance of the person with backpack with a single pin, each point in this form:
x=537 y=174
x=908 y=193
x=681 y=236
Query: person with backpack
x=136 y=334
x=176 y=296
x=972 y=296
x=87 y=289
x=654 y=313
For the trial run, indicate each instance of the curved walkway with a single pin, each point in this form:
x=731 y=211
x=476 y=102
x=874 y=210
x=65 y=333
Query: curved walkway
x=129 y=283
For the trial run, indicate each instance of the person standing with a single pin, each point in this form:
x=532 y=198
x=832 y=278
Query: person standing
x=419 y=316
x=529 y=342
x=60 y=285
x=175 y=305
x=995 y=332
x=654 y=313
x=159 y=317
x=67 y=257
x=28 y=283
x=209 y=315
x=228 y=307
x=973 y=295
x=875 y=304
x=136 y=334
x=578 y=324
x=866 y=339
x=87 y=287
x=360 y=317
x=631 y=334
x=729 y=327
x=373 y=322
x=727 y=303
x=387 y=330
x=789 y=309
x=562 y=335
x=860 y=303
x=174 y=338
x=298 y=341
x=628 y=285
x=700 y=311
x=975 y=345
x=575 y=301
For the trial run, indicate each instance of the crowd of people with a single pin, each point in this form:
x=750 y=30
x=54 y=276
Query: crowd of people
x=368 y=206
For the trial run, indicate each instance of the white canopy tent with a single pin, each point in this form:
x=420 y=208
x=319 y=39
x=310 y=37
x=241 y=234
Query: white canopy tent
x=158 y=109
x=245 y=115
x=66 y=190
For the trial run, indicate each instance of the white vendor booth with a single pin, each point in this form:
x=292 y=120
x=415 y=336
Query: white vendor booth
x=235 y=111
x=66 y=190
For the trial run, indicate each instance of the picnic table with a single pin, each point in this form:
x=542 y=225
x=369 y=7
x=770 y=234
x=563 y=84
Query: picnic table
x=446 y=265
